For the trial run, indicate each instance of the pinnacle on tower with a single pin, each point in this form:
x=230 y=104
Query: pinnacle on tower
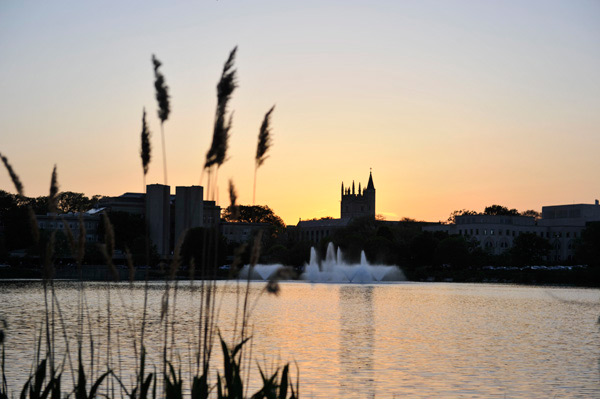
x=359 y=190
x=342 y=189
x=352 y=187
x=370 y=185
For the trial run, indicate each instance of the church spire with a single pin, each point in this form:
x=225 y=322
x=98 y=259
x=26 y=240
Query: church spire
x=370 y=186
x=342 y=189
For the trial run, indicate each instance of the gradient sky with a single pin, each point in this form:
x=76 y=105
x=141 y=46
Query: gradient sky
x=453 y=104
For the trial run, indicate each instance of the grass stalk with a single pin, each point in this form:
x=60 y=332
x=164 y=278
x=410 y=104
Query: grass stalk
x=164 y=109
x=264 y=143
x=164 y=151
x=234 y=382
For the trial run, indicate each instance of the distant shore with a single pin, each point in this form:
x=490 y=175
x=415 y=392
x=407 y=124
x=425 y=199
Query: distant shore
x=576 y=276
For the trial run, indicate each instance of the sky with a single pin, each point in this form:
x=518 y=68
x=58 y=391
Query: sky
x=451 y=104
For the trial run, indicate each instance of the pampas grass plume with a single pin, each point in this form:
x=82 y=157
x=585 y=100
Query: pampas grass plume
x=264 y=143
x=264 y=138
x=162 y=96
x=53 y=197
x=13 y=176
x=235 y=210
x=145 y=151
x=162 y=91
x=35 y=232
x=227 y=84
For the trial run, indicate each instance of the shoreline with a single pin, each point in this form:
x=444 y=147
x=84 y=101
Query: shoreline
x=580 y=277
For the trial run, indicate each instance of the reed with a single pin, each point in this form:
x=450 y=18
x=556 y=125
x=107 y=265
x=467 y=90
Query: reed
x=13 y=176
x=264 y=143
x=216 y=154
x=235 y=210
x=164 y=109
x=145 y=151
x=93 y=375
x=35 y=233
x=53 y=197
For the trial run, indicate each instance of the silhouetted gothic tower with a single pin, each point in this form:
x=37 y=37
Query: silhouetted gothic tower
x=355 y=205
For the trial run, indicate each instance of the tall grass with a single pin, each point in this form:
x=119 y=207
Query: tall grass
x=93 y=375
x=264 y=143
x=164 y=109
x=216 y=154
x=94 y=369
x=145 y=151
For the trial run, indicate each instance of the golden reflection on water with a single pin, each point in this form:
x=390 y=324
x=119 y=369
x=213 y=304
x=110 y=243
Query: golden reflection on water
x=361 y=341
x=357 y=341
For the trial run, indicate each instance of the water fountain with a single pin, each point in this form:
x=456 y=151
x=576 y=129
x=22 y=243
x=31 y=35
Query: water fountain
x=332 y=269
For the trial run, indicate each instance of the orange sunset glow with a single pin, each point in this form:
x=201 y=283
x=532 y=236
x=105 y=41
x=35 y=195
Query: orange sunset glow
x=452 y=107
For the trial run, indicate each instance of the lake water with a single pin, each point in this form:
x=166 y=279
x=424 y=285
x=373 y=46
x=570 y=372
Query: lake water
x=416 y=340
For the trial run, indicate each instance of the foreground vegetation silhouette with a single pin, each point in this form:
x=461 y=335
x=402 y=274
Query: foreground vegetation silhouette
x=94 y=374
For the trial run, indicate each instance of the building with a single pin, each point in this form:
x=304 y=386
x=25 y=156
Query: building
x=71 y=221
x=134 y=203
x=495 y=233
x=158 y=217
x=564 y=224
x=315 y=230
x=189 y=209
x=167 y=216
x=354 y=204
x=212 y=213
x=240 y=232
x=358 y=204
x=561 y=225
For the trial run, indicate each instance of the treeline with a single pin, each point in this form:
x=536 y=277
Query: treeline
x=496 y=210
x=16 y=231
x=15 y=220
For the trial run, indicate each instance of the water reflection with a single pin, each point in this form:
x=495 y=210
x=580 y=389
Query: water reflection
x=357 y=339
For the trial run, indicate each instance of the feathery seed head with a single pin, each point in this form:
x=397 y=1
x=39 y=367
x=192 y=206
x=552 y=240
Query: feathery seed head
x=162 y=91
x=235 y=210
x=53 y=197
x=13 y=176
x=145 y=151
x=216 y=155
x=264 y=138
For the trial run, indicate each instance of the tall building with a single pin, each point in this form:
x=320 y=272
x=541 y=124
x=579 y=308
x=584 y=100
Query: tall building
x=189 y=209
x=358 y=204
x=158 y=217
x=167 y=216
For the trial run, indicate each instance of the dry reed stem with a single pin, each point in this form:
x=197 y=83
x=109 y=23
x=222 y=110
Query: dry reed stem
x=53 y=196
x=109 y=246
x=13 y=176
x=162 y=91
x=234 y=209
x=264 y=143
x=130 y=266
x=227 y=84
x=162 y=96
x=264 y=138
x=145 y=151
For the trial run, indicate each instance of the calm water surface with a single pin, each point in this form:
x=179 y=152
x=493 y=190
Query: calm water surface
x=359 y=341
